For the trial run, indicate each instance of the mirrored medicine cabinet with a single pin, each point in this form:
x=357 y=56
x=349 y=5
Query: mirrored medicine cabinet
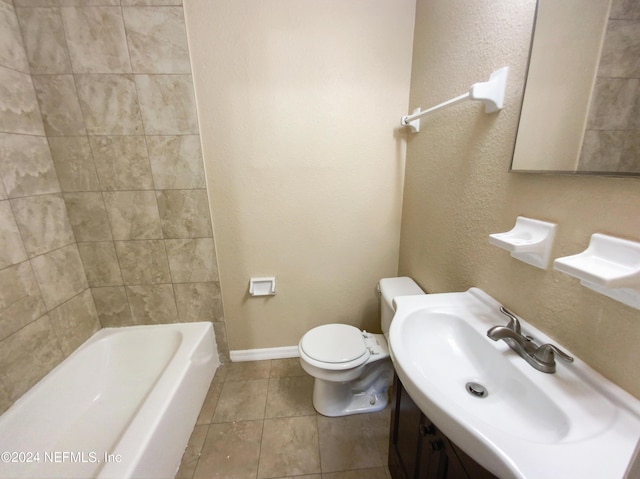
x=581 y=106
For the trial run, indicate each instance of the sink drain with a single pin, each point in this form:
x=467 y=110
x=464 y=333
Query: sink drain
x=477 y=390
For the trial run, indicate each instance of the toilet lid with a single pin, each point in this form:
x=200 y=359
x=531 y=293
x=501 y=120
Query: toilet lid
x=333 y=343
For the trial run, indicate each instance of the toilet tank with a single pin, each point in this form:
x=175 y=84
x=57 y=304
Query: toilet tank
x=390 y=288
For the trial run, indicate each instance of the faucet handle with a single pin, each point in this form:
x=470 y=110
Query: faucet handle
x=545 y=354
x=513 y=323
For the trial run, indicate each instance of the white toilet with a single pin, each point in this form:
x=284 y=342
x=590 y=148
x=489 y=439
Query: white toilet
x=352 y=368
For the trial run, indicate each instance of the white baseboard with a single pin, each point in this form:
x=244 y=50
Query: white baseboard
x=265 y=353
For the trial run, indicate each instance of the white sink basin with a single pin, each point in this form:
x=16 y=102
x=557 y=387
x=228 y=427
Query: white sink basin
x=571 y=424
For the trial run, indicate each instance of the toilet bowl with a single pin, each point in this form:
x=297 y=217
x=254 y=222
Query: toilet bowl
x=351 y=368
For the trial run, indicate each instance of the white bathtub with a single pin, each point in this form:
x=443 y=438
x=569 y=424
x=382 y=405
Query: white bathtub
x=121 y=406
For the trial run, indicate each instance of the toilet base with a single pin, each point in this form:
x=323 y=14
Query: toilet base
x=368 y=394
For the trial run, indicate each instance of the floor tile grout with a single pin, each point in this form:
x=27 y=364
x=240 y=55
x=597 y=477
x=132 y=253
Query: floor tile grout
x=255 y=371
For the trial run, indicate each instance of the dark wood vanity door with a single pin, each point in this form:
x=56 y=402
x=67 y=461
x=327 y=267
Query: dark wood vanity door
x=472 y=468
x=432 y=455
x=405 y=434
x=418 y=450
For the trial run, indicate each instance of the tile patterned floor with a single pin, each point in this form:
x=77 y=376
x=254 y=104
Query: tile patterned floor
x=258 y=422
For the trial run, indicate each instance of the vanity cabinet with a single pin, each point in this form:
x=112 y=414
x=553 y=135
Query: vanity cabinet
x=418 y=450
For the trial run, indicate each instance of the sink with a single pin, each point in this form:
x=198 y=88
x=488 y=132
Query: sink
x=515 y=421
x=513 y=403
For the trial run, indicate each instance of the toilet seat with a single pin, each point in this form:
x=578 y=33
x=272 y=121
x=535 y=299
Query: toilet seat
x=352 y=369
x=334 y=346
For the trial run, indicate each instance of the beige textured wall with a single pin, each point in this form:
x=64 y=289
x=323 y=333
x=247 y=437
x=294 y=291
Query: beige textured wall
x=299 y=103
x=458 y=190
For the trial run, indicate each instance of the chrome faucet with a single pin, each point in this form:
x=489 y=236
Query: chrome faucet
x=541 y=358
x=513 y=323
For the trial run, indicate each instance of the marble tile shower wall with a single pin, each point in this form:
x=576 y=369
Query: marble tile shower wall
x=46 y=307
x=103 y=203
x=613 y=128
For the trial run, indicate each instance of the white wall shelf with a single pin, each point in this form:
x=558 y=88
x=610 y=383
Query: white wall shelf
x=609 y=265
x=529 y=241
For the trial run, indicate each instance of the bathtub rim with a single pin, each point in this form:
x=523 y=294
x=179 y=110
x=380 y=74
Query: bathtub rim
x=194 y=336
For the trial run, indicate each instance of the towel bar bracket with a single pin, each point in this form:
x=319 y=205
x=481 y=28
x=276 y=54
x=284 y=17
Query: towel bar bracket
x=491 y=93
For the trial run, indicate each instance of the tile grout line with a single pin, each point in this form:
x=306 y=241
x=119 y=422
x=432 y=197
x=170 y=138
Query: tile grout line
x=264 y=415
x=319 y=448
